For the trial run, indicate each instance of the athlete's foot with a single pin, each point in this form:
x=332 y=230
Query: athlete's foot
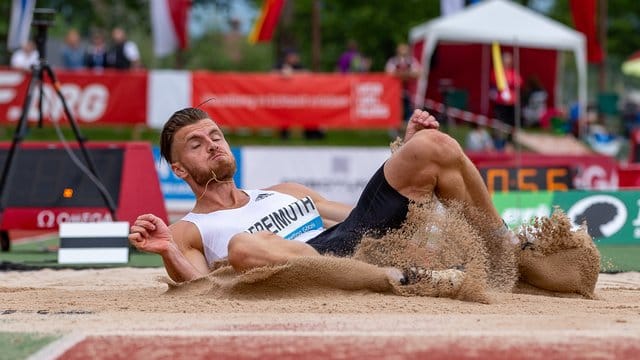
x=449 y=278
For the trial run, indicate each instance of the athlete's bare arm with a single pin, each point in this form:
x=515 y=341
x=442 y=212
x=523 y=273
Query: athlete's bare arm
x=178 y=246
x=332 y=212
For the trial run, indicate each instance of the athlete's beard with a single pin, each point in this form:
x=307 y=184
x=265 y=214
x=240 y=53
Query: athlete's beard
x=223 y=172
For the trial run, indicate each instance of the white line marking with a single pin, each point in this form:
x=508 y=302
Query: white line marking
x=58 y=347
x=35 y=238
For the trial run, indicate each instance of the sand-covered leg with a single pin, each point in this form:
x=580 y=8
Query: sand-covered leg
x=440 y=242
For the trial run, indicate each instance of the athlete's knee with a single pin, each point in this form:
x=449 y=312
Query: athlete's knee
x=432 y=146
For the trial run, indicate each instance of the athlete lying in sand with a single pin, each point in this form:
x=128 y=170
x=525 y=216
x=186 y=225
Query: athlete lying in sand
x=254 y=228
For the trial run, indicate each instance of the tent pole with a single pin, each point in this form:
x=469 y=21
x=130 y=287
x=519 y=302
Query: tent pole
x=484 y=82
x=516 y=88
x=423 y=82
x=581 y=64
x=559 y=98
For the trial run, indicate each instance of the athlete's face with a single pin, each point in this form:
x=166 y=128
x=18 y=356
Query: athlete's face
x=199 y=149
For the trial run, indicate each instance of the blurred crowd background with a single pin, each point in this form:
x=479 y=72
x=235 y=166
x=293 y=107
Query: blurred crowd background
x=339 y=36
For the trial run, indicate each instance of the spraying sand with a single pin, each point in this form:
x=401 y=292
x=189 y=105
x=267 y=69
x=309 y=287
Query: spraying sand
x=550 y=257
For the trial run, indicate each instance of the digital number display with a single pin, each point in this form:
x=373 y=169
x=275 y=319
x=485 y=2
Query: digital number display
x=527 y=178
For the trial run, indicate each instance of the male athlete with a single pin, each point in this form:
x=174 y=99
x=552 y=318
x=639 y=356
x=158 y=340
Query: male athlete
x=253 y=228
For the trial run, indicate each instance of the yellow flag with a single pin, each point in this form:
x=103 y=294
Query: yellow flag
x=498 y=68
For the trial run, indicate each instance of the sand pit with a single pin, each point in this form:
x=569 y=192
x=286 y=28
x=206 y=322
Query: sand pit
x=314 y=307
x=348 y=300
x=128 y=300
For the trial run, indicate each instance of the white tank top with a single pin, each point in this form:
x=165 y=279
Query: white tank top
x=281 y=214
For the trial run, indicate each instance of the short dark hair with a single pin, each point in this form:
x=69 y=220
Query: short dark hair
x=177 y=121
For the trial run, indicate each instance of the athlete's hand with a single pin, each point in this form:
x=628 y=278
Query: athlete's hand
x=420 y=120
x=149 y=233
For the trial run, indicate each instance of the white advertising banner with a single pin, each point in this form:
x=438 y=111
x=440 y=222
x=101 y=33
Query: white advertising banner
x=169 y=91
x=337 y=173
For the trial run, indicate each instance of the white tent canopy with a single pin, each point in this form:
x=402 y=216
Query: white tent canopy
x=504 y=22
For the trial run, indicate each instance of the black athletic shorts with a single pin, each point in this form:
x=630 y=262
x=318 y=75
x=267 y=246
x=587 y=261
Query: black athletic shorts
x=379 y=209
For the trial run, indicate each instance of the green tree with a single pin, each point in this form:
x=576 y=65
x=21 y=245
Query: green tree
x=5 y=8
x=376 y=25
x=623 y=25
x=89 y=15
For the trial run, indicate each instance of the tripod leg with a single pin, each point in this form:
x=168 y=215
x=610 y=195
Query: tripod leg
x=76 y=131
x=21 y=130
x=5 y=243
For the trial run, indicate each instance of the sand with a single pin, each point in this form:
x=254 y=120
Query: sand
x=128 y=300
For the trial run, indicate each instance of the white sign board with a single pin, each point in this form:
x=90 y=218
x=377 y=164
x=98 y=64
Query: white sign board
x=337 y=173
x=94 y=243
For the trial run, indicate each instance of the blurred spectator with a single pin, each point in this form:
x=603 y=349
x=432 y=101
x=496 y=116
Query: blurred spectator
x=25 y=57
x=406 y=68
x=555 y=119
x=352 y=60
x=123 y=53
x=478 y=139
x=602 y=140
x=233 y=41
x=95 y=56
x=575 y=121
x=504 y=99
x=534 y=102
x=630 y=115
x=289 y=65
x=72 y=53
x=501 y=141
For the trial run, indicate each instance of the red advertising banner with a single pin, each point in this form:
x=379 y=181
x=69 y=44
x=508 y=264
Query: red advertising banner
x=109 y=97
x=274 y=100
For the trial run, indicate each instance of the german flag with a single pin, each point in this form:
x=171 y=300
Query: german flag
x=266 y=22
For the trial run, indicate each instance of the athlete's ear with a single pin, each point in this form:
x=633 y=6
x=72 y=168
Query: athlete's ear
x=180 y=171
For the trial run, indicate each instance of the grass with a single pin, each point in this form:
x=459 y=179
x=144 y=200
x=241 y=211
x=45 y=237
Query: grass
x=21 y=345
x=93 y=133
x=235 y=137
x=44 y=254
x=616 y=258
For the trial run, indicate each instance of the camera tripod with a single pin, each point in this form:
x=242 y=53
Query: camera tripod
x=38 y=72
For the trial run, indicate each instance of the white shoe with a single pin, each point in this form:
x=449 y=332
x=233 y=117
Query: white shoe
x=451 y=278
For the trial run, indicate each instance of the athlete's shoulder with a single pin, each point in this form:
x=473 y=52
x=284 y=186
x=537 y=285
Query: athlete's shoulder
x=294 y=189
x=186 y=234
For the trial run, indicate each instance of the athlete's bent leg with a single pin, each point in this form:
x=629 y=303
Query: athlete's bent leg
x=432 y=162
x=248 y=251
